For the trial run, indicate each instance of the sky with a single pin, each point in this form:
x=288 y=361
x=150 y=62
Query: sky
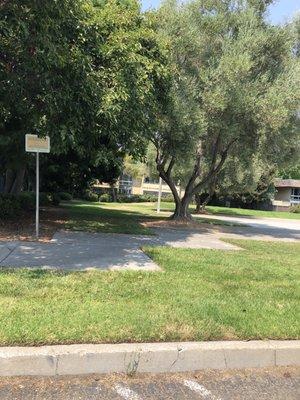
x=280 y=12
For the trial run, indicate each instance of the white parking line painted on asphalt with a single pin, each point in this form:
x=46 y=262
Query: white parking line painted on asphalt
x=196 y=387
x=126 y=393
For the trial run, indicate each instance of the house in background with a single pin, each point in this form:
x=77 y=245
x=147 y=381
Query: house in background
x=130 y=186
x=287 y=191
x=287 y=194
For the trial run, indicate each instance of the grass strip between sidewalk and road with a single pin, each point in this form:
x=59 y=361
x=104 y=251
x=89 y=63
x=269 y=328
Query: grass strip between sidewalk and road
x=201 y=295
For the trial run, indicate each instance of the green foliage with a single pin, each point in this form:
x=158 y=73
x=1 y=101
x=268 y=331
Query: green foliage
x=55 y=199
x=81 y=74
x=133 y=168
x=9 y=206
x=65 y=196
x=290 y=173
x=105 y=198
x=12 y=206
x=90 y=196
x=145 y=198
x=235 y=92
x=45 y=199
x=27 y=200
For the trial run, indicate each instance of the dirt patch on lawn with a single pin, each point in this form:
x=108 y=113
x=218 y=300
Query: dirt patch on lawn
x=23 y=227
x=182 y=225
x=200 y=226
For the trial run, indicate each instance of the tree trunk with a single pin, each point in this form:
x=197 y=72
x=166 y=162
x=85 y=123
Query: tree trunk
x=200 y=205
x=9 y=180
x=18 y=182
x=114 y=193
x=198 y=201
x=181 y=212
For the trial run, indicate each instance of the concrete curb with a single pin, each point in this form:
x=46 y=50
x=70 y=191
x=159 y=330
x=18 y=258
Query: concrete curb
x=146 y=357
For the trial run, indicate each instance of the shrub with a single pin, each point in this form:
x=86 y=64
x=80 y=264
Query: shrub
x=45 y=199
x=168 y=199
x=65 y=196
x=123 y=198
x=105 y=198
x=148 y=198
x=55 y=199
x=90 y=196
x=27 y=200
x=9 y=206
x=295 y=209
x=143 y=198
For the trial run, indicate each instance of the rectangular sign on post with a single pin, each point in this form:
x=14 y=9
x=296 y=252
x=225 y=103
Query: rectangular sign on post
x=37 y=145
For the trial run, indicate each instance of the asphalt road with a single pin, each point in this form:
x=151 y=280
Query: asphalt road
x=269 y=228
x=252 y=384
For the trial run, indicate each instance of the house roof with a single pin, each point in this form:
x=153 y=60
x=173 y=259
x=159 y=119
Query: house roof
x=290 y=183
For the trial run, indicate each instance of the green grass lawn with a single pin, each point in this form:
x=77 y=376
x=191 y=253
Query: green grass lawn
x=120 y=217
x=106 y=217
x=201 y=295
x=240 y=212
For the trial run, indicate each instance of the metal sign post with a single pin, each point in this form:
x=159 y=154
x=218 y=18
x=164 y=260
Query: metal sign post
x=37 y=145
x=37 y=208
x=159 y=195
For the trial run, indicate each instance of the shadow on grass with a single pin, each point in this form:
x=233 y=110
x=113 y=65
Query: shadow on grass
x=94 y=218
x=83 y=209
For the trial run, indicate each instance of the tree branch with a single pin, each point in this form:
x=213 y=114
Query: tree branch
x=213 y=172
x=171 y=165
x=196 y=171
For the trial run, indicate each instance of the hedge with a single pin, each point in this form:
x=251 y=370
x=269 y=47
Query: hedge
x=11 y=206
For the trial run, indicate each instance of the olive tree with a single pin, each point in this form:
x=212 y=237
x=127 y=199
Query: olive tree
x=234 y=91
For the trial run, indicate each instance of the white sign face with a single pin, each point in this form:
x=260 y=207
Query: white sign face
x=35 y=144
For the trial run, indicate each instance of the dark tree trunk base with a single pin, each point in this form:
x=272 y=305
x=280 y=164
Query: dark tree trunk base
x=200 y=210
x=181 y=213
x=181 y=218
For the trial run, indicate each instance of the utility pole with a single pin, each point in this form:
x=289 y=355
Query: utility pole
x=159 y=195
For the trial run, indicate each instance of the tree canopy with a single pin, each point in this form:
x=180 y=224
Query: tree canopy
x=235 y=92
x=79 y=71
x=212 y=85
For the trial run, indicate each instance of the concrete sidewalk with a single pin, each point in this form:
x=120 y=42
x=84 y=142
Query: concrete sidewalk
x=73 y=250
x=82 y=250
x=79 y=251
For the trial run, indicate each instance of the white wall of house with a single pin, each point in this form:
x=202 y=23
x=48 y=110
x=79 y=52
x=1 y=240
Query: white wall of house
x=283 y=194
